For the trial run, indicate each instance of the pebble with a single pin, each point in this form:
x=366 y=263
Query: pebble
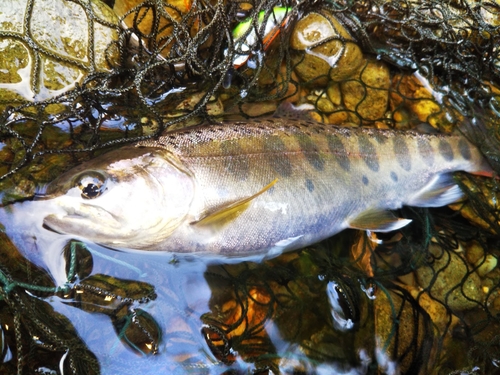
x=443 y=279
x=334 y=58
x=367 y=93
x=334 y=94
x=486 y=265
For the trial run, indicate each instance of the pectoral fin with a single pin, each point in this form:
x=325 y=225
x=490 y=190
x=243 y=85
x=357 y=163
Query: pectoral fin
x=377 y=220
x=227 y=212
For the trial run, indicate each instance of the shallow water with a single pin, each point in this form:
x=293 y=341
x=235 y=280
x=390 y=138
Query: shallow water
x=196 y=314
x=403 y=302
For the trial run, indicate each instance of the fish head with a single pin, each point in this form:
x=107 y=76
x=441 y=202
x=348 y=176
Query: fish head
x=128 y=198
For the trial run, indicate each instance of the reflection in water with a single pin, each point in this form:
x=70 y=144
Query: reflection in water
x=109 y=312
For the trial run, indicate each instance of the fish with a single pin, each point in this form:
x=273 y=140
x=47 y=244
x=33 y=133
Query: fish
x=256 y=187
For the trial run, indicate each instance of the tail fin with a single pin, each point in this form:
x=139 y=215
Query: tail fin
x=483 y=130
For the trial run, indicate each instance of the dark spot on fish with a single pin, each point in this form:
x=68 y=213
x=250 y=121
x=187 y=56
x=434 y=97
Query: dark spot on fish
x=276 y=155
x=237 y=164
x=464 y=149
x=338 y=151
x=346 y=132
x=365 y=180
x=425 y=150
x=402 y=152
x=368 y=153
x=445 y=150
x=311 y=151
x=380 y=138
x=394 y=177
x=309 y=185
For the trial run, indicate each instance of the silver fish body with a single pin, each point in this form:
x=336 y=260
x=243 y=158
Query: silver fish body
x=257 y=187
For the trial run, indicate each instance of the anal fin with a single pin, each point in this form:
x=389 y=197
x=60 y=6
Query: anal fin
x=442 y=190
x=225 y=213
x=377 y=220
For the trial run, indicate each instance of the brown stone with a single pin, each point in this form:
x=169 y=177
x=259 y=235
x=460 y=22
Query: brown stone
x=146 y=17
x=337 y=58
x=68 y=60
x=415 y=95
x=449 y=279
x=367 y=94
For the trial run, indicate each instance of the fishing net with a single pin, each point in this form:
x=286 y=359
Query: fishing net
x=129 y=70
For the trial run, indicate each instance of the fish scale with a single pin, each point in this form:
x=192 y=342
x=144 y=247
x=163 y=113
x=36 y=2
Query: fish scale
x=260 y=186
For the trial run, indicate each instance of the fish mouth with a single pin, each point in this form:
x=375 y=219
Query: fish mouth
x=81 y=219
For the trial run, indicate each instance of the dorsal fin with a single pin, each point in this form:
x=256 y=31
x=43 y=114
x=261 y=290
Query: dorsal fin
x=226 y=212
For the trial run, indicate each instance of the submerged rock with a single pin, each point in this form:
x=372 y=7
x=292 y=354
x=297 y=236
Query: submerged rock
x=450 y=280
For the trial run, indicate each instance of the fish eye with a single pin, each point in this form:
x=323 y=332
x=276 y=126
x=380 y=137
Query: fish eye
x=91 y=185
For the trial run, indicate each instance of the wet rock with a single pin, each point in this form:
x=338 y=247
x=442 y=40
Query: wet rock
x=321 y=101
x=415 y=99
x=437 y=311
x=108 y=295
x=259 y=109
x=486 y=265
x=479 y=210
x=334 y=94
x=214 y=106
x=63 y=56
x=6 y=158
x=324 y=49
x=340 y=117
x=403 y=332
x=448 y=278
x=495 y=304
x=474 y=252
x=367 y=93
x=325 y=105
x=490 y=15
x=141 y=17
x=218 y=343
x=290 y=84
x=402 y=118
x=138 y=330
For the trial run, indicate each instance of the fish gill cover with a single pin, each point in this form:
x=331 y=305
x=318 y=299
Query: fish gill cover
x=115 y=72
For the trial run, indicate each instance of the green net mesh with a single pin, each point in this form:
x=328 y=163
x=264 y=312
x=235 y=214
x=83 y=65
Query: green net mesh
x=129 y=70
